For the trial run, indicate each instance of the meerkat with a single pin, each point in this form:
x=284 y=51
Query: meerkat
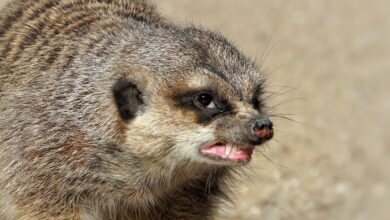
x=109 y=111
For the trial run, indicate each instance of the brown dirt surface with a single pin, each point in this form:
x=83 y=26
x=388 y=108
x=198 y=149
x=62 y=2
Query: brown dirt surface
x=328 y=64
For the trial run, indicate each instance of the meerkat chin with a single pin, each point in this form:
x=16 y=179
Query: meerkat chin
x=109 y=111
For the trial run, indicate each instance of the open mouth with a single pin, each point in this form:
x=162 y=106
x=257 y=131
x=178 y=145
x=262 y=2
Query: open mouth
x=230 y=152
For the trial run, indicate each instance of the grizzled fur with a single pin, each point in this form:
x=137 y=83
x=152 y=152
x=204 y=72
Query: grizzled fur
x=92 y=125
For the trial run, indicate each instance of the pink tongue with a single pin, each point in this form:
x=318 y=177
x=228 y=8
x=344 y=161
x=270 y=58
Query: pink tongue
x=216 y=150
x=219 y=150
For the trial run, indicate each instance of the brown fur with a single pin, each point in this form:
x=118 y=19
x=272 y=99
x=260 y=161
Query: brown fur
x=66 y=152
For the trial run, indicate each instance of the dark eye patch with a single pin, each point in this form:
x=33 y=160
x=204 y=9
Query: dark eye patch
x=187 y=101
x=256 y=99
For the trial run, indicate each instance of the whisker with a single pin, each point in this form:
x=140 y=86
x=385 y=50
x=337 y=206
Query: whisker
x=267 y=98
x=286 y=101
x=271 y=92
x=283 y=114
x=274 y=94
x=268 y=72
x=276 y=140
x=274 y=163
x=284 y=90
x=265 y=51
x=287 y=118
x=279 y=130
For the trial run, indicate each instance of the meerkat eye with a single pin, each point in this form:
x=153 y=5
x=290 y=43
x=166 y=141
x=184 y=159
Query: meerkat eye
x=205 y=100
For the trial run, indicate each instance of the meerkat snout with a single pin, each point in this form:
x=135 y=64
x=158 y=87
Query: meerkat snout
x=236 y=139
x=263 y=129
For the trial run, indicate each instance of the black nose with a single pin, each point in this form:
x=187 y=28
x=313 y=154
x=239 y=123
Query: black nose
x=262 y=130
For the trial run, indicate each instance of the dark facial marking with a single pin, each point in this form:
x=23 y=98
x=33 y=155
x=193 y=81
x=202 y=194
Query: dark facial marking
x=256 y=99
x=128 y=98
x=190 y=100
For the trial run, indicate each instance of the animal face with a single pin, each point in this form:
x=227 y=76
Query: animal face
x=209 y=112
x=201 y=118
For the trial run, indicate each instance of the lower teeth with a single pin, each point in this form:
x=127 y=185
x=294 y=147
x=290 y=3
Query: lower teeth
x=229 y=148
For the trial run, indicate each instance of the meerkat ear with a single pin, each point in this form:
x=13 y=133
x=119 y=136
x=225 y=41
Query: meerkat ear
x=128 y=98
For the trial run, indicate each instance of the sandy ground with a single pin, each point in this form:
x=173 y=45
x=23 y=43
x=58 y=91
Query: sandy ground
x=330 y=61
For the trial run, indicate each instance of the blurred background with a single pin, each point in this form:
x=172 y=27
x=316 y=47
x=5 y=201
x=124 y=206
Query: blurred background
x=328 y=69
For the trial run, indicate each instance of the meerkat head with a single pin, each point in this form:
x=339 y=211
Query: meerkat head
x=191 y=97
